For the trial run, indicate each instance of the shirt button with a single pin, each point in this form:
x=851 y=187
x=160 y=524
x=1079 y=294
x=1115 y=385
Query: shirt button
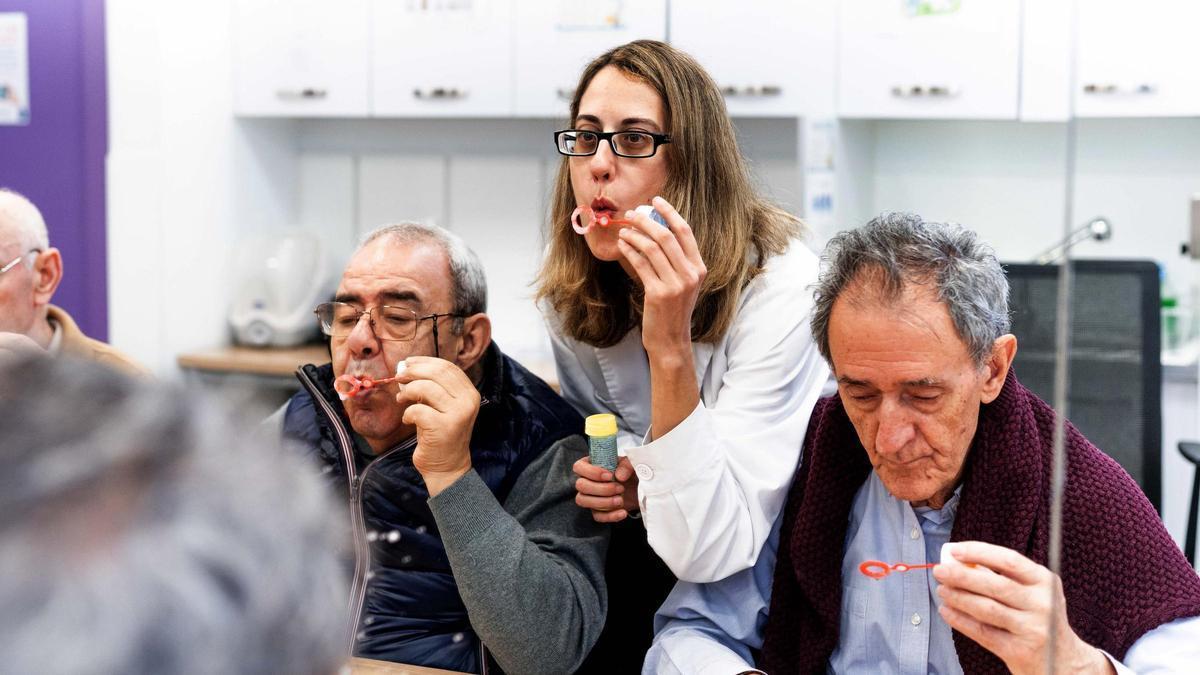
x=644 y=472
x=916 y=619
x=914 y=534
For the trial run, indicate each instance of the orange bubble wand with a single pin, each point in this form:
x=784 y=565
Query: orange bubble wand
x=349 y=386
x=877 y=569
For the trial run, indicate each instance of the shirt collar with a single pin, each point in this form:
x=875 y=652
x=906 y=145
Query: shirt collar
x=943 y=514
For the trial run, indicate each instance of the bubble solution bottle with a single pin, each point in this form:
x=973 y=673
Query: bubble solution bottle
x=601 y=431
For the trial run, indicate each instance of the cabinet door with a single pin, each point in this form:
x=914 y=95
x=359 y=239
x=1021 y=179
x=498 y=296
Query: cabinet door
x=760 y=54
x=555 y=39
x=934 y=59
x=441 y=58
x=1138 y=59
x=304 y=58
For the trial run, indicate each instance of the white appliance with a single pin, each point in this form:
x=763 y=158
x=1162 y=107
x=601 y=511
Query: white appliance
x=278 y=280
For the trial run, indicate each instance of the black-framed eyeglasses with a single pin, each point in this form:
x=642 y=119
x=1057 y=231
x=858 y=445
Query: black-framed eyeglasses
x=582 y=143
x=398 y=324
x=13 y=263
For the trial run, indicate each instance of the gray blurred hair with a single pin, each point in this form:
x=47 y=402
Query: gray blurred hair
x=142 y=532
x=901 y=249
x=20 y=214
x=468 y=281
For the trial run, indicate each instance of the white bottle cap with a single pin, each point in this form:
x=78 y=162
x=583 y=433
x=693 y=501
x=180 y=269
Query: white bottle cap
x=654 y=215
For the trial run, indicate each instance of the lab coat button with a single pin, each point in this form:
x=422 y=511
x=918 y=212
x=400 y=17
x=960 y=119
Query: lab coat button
x=644 y=472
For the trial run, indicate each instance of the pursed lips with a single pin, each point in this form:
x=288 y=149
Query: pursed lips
x=603 y=204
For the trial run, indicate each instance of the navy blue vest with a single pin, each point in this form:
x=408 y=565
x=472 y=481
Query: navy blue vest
x=411 y=610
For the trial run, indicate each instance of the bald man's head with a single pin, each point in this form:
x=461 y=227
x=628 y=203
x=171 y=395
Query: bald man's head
x=32 y=269
x=21 y=221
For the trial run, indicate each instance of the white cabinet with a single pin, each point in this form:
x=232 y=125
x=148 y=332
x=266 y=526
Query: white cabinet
x=1138 y=59
x=441 y=58
x=932 y=59
x=303 y=58
x=555 y=39
x=770 y=57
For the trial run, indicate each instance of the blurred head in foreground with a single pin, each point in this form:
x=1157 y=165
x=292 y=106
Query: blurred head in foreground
x=143 y=532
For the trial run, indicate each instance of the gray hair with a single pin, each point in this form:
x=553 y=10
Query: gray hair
x=467 y=279
x=901 y=248
x=141 y=532
x=24 y=218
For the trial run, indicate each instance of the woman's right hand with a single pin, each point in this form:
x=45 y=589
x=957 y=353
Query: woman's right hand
x=609 y=500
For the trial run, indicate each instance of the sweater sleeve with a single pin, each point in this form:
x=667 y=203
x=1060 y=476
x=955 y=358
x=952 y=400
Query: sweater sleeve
x=531 y=572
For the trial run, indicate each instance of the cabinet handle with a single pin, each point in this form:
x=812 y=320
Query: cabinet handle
x=751 y=91
x=439 y=93
x=309 y=94
x=924 y=91
x=566 y=93
x=1112 y=89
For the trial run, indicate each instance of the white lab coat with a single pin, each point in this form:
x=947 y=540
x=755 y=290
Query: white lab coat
x=710 y=489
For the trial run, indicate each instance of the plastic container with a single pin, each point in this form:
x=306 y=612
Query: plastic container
x=654 y=215
x=601 y=431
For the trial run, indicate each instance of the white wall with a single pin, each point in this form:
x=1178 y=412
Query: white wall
x=1006 y=180
x=184 y=179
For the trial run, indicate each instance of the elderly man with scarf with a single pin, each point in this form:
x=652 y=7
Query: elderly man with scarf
x=930 y=440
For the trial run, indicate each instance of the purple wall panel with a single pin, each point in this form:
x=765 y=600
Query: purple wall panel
x=57 y=160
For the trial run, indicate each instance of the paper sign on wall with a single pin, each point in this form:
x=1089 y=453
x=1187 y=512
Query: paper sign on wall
x=14 y=68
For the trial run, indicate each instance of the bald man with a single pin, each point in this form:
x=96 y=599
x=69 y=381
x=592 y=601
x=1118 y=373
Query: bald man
x=30 y=271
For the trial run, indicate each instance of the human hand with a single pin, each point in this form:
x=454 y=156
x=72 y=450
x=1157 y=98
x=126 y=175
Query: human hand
x=668 y=263
x=442 y=404
x=610 y=501
x=1005 y=603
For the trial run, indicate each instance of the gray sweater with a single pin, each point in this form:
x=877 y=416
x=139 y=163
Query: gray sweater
x=531 y=572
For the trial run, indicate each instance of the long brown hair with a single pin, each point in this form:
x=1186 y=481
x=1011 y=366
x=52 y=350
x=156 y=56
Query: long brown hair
x=707 y=182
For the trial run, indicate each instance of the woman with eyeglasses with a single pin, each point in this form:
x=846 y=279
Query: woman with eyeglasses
x=693 y=332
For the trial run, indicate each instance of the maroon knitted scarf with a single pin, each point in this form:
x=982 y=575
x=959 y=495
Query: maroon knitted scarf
x=1122 y=573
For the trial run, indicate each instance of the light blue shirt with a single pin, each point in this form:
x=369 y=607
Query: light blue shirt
x=889 y=625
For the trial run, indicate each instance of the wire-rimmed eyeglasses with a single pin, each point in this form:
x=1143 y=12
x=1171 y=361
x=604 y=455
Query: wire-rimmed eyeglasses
x=635 y=144
x=399 y=324
x=13 y=263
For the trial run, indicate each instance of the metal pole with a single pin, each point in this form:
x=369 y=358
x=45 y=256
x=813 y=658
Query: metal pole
x=1062 y=349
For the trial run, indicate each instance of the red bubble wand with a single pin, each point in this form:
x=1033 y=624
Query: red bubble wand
x=877 y=569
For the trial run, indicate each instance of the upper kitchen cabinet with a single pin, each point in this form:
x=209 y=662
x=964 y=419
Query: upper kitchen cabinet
x=931 y=59
x=441 y=58
x=771 y=58
x=1137 y=59
x=555 y=39
x=300 y=58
